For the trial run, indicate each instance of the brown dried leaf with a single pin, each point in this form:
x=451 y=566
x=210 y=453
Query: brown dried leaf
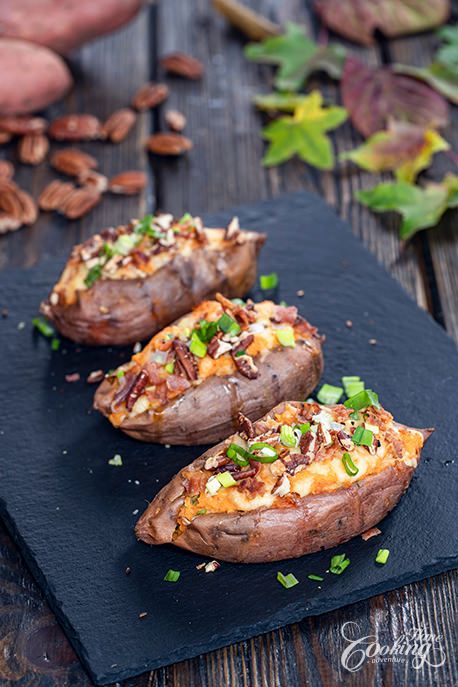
x=33 y=149
x=118 y=125
x=75 y=127
x=375 y=96
x=6 y=170
x=181 y=64
x=79 y=202
x=72 y=161
x=150 y=95
x=128 y=183
x=359 y=19
x=54 y=195
x=94 y=180
x=24 y=124
x=168 y=144
x=176 y=121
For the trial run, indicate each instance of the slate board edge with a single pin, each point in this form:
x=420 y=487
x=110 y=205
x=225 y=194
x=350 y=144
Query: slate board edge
x=290 y=614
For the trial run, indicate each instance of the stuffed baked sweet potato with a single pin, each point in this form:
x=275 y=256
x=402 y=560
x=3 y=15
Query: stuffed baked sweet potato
x=125 y=284
x=303 y=478
x=191 y=380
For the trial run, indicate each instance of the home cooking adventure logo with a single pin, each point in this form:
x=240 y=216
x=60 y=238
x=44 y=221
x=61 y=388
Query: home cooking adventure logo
x=418 y=647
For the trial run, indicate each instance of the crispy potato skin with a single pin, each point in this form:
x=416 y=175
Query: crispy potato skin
x=208 y=412
x=138 y=308
x=314 y=523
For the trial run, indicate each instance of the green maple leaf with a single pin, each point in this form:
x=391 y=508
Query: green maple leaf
x=420 y=207
x=297 y=56
x=304 y=134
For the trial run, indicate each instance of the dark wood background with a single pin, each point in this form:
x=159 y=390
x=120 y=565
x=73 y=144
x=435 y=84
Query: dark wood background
x=222 y=170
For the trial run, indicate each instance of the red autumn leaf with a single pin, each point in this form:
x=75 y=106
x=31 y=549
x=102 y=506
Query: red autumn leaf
x=374 y=96
x=359 y=19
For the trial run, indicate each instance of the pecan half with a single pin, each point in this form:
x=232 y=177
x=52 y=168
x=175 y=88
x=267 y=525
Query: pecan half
x=176 y=121
x=6 y=170
x=75 y=127
x=33 y=149
x=21 y=125
x=243 y=344
x=186 y=362
x=245 y=426
x=217 y=347
x=16 y=204
x=72 y=161
x=128 y=183
x=54 y=195
x=246 y=367
x=139 y=385
x=94 y=180
x=150 y=95
x=79 y=202
x=118 y=125
x=168 y=144
x=181 y=64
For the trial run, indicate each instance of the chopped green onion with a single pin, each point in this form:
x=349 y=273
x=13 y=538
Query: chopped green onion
x=187 y=217
x=206 y=330
x=329 y=394
x=268 y=453
x=339 y=563
x=55 y=343
x=354 y=415
x=239 y=354
x=172 y=576
x=304 y=427
x=284 y=304
x=201 y=511
x=363 y=399
x=125 y=243
x=120 y=374
x=197 y=346
x=285 y=336
x=287 y=436
x=43 y=327
x=228 y=325
x=268 y=281
x=238 y=301
x=354 y=388
x=169 y=368
x=92 y=276
x=382 y=556
x=145 y=227
x=116 y=460
x=362 y=437
x=226 y=479
x=315 y=578
x=108 y=250
x=288 y=580
x=350 y=467
x=238 y=455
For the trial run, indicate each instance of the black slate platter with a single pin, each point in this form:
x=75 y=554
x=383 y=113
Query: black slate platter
x=72 y=513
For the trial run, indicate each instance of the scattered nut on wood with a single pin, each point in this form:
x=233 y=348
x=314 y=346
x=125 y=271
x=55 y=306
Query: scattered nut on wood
x=54 y=195
x=95 y=376
x=17 y=207
x=72 y=161
x=6 y=170
x=117 y=126
x=175 y=120
x=371 y=532
x=150 y=95
x=128 y=183
x=72 y=377
x=75 y=127
x=19 y=125
x=181 y=64
x=168 y=144
x=33 y=148
x=93 y=179
x=79 y=202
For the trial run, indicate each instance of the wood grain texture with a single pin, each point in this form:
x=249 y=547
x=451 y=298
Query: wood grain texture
x=224 y=169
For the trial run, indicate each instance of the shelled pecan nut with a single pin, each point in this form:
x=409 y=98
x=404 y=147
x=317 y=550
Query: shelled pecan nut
x=181 y=64
x=79 y=202
x=20 y=125
x=176 y=121
x=72 y=161
x=94 y=180
x=75 y=127
x=33 y=149
x=17 y=204
x=150 y=95
x=128 y=183
x=168 y=144
x=118 y=125
x=54 y=195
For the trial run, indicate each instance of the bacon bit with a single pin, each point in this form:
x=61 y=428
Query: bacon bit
x=73 y=377
x=232 y=229
x=177 y=384
x=141 y=381
x=371 y=532
x=305 y=329
x=186 y=362
x=246 y=367
x=297 y=460
x=240 y=475
x=245 y=426
x=95 y=376
x=154 y=373
x=252 y=485
x=139 y=257
x=285 y=315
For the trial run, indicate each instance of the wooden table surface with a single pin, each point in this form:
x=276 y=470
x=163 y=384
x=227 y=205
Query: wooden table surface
x=222 y=170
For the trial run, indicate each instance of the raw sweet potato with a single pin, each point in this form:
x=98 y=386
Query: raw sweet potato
x=64 y=26
x=33 y=77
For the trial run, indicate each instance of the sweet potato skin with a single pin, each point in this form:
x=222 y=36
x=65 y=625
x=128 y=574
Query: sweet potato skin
x=207 y=413
x=119 y=312
x=64 y=26
x=314 y=523
x=33 y=77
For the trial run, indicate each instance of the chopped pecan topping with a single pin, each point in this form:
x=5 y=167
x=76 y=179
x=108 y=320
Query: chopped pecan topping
x=140 y=383
x=232 y=229
x=297 y=462
x=245 y=426
x=345 y=440
x=217 y=347
x=186 y=361
x=246 y=367
x=243 y=344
